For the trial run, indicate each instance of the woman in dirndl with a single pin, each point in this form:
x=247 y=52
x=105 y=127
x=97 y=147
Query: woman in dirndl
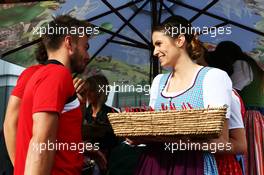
x=188 y=85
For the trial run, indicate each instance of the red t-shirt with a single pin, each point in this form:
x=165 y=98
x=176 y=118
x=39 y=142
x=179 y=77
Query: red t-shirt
x=51 y=89
x=18 y=90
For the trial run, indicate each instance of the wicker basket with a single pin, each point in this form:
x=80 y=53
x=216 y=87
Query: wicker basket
x=197 y=123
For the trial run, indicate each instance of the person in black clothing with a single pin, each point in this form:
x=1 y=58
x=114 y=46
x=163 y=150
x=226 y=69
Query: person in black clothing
x=98 y=128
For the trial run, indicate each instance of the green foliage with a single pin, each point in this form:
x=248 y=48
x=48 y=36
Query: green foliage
x=118 y=71
x=17 y=14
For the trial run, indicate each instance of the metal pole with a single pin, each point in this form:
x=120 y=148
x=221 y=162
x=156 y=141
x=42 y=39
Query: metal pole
x=155 y=65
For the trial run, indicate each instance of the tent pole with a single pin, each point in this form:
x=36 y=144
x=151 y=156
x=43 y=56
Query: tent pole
x=118 y=31
x=203 y=10
x=111 y=11
x=21 y=47
x=167 y=8
x=125 y=20
x=122 y=36
x=155 y=70
x=129 y=44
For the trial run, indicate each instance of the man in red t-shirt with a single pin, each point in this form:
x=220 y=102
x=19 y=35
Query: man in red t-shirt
x=11 y=117
x=49 y=125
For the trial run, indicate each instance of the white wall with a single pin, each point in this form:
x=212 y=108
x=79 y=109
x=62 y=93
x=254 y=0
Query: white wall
x=8 y=76
x=9 y=73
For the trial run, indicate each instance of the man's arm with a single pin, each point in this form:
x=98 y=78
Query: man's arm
x=10 y=125
x=39 y=159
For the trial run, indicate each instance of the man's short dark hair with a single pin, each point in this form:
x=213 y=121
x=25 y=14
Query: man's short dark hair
x=61 y=27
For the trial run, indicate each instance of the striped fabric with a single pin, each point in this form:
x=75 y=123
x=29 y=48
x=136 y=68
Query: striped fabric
x=210 y=167
x=254 y=124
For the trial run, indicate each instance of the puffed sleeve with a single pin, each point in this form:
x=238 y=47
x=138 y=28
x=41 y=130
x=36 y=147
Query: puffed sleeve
x=217 y=89
x=154 y=90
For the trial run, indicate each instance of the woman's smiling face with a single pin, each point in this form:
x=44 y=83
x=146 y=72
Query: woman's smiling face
x=165 y=49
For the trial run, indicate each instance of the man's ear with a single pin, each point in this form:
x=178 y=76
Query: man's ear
x=180 y=41
x=69 y=44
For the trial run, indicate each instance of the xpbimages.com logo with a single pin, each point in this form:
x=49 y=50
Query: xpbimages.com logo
x=192 y=146
x=191 y=30
x=124 y=88
x=59 y=146
x=60 y=30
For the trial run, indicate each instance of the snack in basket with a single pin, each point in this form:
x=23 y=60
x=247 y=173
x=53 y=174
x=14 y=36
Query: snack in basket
x=194 y=123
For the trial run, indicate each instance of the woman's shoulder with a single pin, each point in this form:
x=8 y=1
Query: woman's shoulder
x=215 y=72
x=217 y=77
x=159 y=76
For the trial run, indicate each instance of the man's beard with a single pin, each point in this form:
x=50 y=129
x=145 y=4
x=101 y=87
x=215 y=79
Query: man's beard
x=75 y=59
